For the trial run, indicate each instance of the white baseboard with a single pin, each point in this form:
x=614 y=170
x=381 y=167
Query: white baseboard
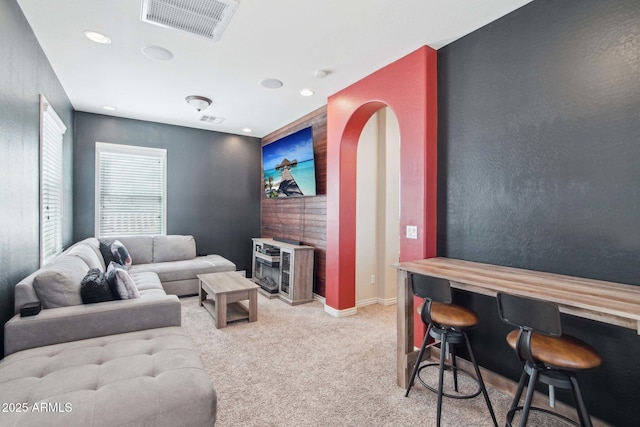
x=340 y=313
x=366 y=302
x=381 y=301
x=351 y=311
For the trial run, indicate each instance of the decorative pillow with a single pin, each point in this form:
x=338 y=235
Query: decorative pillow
x=105 y=250
x=120 y=283
x=115 y=251
x=94 y=287
x=59 y=284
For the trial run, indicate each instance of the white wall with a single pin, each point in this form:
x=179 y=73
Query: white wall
x=390 y=224
x=377 y=209
x=366 y=211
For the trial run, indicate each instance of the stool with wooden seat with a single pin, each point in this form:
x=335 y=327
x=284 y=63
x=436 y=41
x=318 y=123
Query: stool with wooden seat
x=445 y=322
x=548 y=356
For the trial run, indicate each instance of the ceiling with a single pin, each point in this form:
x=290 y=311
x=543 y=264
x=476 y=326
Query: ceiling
x=283 y=39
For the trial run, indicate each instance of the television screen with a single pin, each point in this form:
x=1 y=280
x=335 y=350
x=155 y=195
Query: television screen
x=288 y=165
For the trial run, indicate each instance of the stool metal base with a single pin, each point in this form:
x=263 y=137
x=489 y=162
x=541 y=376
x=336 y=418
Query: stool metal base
x=449 y=336
x=556 y=378
x=511 y=413
x=455 y=371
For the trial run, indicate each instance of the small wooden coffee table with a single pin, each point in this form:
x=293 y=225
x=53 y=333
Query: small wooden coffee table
x=226 y=290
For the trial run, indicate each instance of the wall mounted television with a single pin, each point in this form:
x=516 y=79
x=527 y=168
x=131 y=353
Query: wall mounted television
x=288 y=166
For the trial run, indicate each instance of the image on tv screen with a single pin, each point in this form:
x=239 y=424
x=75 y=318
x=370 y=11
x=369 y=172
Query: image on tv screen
x=288 y=164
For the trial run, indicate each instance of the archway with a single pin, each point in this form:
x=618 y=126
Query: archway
x=378 y=210
x=409 y=87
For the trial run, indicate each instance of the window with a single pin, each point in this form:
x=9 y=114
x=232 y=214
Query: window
x=51 y=136
x=130 y=190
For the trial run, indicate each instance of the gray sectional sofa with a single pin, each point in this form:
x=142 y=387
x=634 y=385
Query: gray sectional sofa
x=174 y=260
x=162 y=265
x=92 y=363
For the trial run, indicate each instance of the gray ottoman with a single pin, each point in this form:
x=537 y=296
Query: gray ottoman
x=152 y=377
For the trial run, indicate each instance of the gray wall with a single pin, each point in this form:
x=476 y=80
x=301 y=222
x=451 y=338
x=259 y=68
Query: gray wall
x=25 y=73
x=213 y=181
x=539 y=148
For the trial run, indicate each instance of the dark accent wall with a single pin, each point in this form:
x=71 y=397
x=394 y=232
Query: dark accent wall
x=303 y=218
x=213 y=181
x=25 y=73
x=539 y=148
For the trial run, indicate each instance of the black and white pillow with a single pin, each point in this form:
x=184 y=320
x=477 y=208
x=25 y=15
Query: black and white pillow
x=94 y=287
x=115 y=251
x=120 y=283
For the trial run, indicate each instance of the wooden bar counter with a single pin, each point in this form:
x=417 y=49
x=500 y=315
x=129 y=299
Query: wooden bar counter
x=608 y=302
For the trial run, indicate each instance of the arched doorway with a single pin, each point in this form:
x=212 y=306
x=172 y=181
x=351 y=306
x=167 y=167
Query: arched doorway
x=378 y=209
x=409 y=87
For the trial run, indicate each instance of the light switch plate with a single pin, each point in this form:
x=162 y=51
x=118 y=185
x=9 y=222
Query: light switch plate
x=412 y=231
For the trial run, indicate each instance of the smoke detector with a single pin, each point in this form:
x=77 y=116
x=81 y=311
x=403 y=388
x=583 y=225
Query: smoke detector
x=204 y=18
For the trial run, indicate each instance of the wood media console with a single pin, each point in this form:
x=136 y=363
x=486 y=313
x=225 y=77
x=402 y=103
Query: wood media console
x=283 y=270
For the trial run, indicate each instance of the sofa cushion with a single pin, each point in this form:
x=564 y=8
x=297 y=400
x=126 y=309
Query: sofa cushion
x=121 y=284
x=88 y=255
x=187 y=269
x=140 y=248
x=59 y=284
x=173 y=248
x=94 y=287
x=147 y=282
x=152 y=377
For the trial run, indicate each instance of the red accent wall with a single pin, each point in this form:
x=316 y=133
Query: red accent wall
x=409 y=87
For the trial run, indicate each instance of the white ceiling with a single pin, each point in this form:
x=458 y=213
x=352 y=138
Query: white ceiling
x=283 y=39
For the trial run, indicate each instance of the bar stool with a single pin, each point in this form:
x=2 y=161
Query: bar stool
x=548 y=356
x=445 y=322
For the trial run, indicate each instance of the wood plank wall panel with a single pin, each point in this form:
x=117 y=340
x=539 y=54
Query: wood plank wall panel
x=304 y=218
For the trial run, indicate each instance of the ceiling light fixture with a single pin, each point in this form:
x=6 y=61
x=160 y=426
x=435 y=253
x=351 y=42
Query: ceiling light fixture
x=247 y=130
x=97 y=37
x=321 y=74
x=108 y=108
x=158 y=53
x=306 y=92
x=271 y=83
x=198 y=102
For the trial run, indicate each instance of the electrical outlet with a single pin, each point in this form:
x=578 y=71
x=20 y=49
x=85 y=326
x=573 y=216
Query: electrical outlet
x=412 y=231
x=373 y=279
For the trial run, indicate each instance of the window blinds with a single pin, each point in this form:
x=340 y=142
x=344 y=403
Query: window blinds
x=130 y=190
x=52 y=130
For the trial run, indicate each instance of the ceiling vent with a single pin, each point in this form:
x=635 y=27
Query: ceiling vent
x=212 y=119
x=204 y=18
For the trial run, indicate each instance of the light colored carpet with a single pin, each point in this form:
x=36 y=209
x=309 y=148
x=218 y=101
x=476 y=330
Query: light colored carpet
x=298 y=366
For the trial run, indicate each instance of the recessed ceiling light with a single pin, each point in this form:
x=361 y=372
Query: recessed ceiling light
x=306 y=92
x=321 y=74
x=108 y=108
x=97 y=37
x=247 y=130
x=271 y=83
x=157 y=53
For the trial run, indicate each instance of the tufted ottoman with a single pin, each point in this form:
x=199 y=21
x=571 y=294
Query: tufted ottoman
x=152 y=377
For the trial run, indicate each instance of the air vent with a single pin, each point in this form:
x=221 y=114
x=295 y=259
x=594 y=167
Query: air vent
x=212 y=119
x=204 y=18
